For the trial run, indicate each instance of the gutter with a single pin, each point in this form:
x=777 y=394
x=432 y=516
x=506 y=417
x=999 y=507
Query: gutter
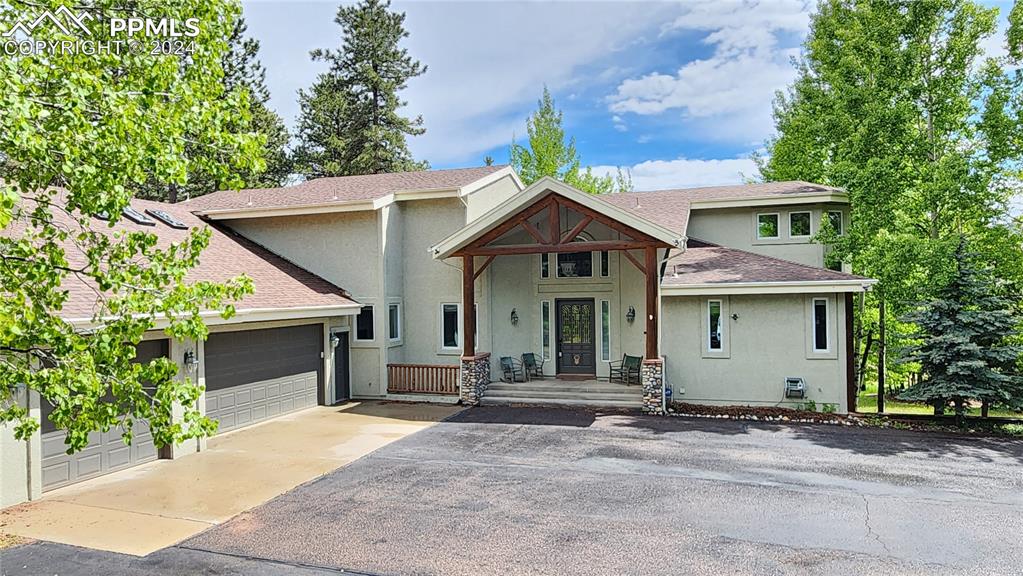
x=213 y=317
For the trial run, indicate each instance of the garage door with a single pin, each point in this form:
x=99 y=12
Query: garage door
x=253 y=375
x=106 y=451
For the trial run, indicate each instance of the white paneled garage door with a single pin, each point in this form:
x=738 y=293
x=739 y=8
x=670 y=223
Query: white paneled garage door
x=106 y=451
x=252 y=375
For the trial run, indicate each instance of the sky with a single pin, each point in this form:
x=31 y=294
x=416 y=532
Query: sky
x=680 y=93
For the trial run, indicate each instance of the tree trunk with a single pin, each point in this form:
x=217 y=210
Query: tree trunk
x=172 y=194
x=939 y=407
x=861 y=372
x=960 y=410
x=985 y=405
x=882 y=341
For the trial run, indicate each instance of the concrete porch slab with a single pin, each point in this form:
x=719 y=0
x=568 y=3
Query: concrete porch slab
x=149 y=507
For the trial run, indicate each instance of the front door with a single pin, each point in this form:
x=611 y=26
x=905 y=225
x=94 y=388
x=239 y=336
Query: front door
x=342 y=385
x=576 y=342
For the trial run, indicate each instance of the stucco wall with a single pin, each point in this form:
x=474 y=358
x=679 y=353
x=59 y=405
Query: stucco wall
x=769 y=341
x=483 y=200
x=736 y=228
x=343 y=247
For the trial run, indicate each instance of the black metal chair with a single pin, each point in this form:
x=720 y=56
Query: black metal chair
x=625 y=369
x=533 y=364
x=512 y=370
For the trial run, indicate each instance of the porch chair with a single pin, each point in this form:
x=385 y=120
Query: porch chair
x=533 y=364
x=625 y=369
x=512 y=370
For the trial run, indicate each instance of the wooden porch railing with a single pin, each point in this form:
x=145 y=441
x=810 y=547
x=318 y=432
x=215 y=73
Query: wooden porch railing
x=422 y=379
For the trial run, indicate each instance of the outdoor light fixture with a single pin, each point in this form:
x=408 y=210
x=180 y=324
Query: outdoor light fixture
x=631 y=315
x=190 y=360
x=514 y=317
x=735 y=317
x=334 y=340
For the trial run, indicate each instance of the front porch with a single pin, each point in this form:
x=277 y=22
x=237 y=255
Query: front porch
x=569 y=277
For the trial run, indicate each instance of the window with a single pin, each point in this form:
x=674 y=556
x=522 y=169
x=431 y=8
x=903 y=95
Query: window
x=449 y=326
x=545 y=266
x=799 y=224
x=714 y=325
x=545 y=329
x=575 y=265
x=364 y=324
x=820 y=325
x=835 y=219
x=394 y=322
x=605 y=329
x=605 y=264
x=767 y=226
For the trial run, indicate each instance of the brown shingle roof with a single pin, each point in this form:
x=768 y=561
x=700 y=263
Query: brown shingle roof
x=670 y=208
x=325 y=191
x=706 y=263
x=277 y=282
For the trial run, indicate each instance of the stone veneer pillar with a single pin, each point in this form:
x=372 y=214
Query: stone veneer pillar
x=475 y=377
x=651 y=375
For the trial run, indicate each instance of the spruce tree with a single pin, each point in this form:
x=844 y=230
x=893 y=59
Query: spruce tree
x=349 y=121
x=964 y=334
x=242 y=71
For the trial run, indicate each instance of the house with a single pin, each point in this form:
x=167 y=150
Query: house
x=416 y=284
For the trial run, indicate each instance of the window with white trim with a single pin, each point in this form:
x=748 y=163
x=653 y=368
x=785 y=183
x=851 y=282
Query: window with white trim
x=575 y=264
x=799 y=224
x=605 y=264
x=715 y=326
x=835 y=219
x=545 y=329
x=605 y=330
x=364 y=324
x=767 y=226
x=450 y=320
x=545 y=265
x=394 y=321
x=820 y=325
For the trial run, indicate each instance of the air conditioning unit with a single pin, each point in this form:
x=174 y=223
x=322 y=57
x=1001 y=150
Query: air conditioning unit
x=795 y=387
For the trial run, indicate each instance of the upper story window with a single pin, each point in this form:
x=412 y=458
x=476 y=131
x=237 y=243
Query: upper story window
x=835 y=219
x=545 y=265
x=605 y=264
x=575 y=265
x=767 y=226
x=364 y=324
x=799 y=224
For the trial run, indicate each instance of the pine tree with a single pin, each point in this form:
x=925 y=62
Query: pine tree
x=242 y=72
x=549 y=153
x=964 y=349
x=349 y=121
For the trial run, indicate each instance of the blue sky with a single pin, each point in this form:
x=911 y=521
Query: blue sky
x=680 y=93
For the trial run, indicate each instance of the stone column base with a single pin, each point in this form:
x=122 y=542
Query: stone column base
x=651 y=375
x=475 y=377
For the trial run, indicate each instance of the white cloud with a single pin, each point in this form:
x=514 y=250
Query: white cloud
x=686 y=172
x=487 y=62
x=736 y=84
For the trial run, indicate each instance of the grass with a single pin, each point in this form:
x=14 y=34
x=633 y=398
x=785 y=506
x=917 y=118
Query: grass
x=867 y=403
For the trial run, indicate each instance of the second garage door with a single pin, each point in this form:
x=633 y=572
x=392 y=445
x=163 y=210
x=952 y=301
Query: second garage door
x=252 y=375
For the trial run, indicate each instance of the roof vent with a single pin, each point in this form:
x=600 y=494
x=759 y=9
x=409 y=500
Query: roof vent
x=137 y=217
x=167 y=219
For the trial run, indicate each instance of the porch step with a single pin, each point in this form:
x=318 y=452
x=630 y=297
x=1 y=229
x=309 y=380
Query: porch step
x=505 y=400
x=565 y=393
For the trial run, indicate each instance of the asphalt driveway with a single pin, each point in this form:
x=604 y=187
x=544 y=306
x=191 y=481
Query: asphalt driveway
x=546 y=491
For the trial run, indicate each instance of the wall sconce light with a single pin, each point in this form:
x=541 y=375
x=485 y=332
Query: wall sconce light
x=191 y=362
x=630 y=316
x=334 y=340
x=735 y=317
x=514 y=317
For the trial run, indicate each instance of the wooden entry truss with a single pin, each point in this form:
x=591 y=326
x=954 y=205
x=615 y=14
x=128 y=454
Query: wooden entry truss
x=558 y=241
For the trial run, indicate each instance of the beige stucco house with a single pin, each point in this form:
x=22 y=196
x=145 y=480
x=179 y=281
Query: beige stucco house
x=415 y=285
